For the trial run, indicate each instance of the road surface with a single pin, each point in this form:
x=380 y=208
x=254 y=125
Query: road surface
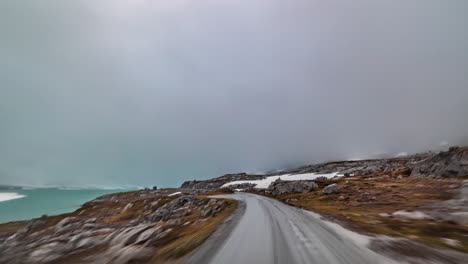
x=272 y=232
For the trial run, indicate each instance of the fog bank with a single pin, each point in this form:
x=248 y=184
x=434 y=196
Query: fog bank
x=155 y=92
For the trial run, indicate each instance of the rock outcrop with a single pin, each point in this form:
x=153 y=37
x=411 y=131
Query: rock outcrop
x=346 y=168
x=331 y=189
x=279 y=187
x=361 y=167
x=451 y=163
x=242 y=186
x=216 y=183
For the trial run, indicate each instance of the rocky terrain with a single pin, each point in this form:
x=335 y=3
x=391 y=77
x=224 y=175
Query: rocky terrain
x=134 y=227
x=216 y=183
x=452 y=163
x=363 y=167
x=358 y=167
x=420 y=199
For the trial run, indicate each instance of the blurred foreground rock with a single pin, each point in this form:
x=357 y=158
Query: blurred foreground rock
x=118 y=228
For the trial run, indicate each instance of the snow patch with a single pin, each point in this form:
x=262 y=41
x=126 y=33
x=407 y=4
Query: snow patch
x=411 y=215
x=401 y=154
x=451 y=242
x=358 y=239
x=174 y=194
x=264 y=183
x=10 y=196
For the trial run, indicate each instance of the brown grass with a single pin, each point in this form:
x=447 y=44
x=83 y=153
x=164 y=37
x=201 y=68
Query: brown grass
x=186 y=238
x=131 y=213
x=362 y=200
x=11 y=228
x=180 y=241
x=219 y=191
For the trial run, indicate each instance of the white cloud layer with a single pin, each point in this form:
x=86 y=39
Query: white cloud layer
x=154 y=92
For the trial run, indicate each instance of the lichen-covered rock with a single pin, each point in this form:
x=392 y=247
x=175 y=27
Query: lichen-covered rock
x=281 y=187
x=331 y=189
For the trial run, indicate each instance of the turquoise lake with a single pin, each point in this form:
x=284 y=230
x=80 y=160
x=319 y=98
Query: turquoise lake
x=38 y=202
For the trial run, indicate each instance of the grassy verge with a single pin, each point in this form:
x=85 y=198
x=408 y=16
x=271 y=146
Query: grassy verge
x=184 y=239
x=218 y=192
x=365 y=204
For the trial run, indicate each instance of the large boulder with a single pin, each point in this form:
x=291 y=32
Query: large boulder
x=331 y=189
x=451 y=163
x=281 y=187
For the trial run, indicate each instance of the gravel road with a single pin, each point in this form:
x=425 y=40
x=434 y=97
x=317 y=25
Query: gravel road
x=268 y=231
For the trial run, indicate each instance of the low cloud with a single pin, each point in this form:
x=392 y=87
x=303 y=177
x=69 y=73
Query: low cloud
x=156 y=92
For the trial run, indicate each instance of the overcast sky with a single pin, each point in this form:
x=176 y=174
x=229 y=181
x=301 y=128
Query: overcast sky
x=110 y=92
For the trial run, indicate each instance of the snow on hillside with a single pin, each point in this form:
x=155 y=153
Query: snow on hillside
x=10 y=196
x=264 y=183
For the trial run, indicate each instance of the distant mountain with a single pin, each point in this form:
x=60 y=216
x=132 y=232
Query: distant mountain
x=9 y=187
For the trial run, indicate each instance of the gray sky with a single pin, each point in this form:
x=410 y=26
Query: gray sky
x=110 y=92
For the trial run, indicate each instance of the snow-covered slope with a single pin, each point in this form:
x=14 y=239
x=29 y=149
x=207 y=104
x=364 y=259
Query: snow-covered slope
x=263 y=184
